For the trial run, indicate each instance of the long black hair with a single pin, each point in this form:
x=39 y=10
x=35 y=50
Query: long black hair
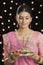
x=24 y=7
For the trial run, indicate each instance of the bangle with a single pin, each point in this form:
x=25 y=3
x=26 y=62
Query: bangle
x=9 y=60
x=37 y=59
x=40 y=60
x=12 y=55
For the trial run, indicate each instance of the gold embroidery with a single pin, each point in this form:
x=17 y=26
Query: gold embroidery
x=5 y=39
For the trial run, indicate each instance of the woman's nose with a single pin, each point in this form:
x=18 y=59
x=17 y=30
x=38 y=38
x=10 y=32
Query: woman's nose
x=23 y=20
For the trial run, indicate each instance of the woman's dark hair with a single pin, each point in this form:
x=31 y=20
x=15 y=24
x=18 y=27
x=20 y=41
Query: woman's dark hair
x=25 y=8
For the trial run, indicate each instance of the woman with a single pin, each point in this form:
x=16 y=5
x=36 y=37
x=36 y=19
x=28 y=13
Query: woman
x=23 y=39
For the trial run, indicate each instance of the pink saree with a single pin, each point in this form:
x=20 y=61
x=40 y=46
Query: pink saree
x=10 y=43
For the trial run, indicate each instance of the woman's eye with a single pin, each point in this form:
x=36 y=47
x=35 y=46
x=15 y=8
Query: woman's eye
x=20 y=18
x=27 y=18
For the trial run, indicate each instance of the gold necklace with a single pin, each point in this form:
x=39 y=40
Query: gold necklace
x=25 y=35
x=28 y=39
x=27 y=42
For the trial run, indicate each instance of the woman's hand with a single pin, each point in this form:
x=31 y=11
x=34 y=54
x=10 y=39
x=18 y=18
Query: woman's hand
x=14 y=56
x=34 y=56
x=38 y=59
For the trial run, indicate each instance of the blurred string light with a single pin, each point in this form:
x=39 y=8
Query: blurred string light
x=2 y=60
x=3 y=48
x=23 y=3
x=3 y=29
x=39 y=12
x=41 y=5
x=0 y=42
x=4 y=3
x=32 y=8
x=41 y=30
x=36 y=23
x=10 y=8
x=15 y=29
x=8 y=26
x=3 y=54
x=10 y=14
x=11 y=1
x=32 y=2
x=2 y=23
x=5 y=11
x=16 y=3
x=36 y=17
x=1 y=17
x=14 y=23
x=8 y=20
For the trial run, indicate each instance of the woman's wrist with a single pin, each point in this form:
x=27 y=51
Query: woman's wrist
x=37 y=58
x=9 y=60
x=40 y=60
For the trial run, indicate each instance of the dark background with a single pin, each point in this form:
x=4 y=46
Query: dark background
x=7 y=17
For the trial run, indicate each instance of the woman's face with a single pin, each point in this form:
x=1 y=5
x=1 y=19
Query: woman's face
x=24 y=19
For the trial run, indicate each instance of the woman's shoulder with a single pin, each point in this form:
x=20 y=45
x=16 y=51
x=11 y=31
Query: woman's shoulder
x=7 y=36
x=38 y=34
x=9 y=33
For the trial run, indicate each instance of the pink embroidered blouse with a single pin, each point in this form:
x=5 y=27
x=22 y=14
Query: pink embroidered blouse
x=11 y=42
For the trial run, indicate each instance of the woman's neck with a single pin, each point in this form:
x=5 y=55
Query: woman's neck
x=24 y=30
